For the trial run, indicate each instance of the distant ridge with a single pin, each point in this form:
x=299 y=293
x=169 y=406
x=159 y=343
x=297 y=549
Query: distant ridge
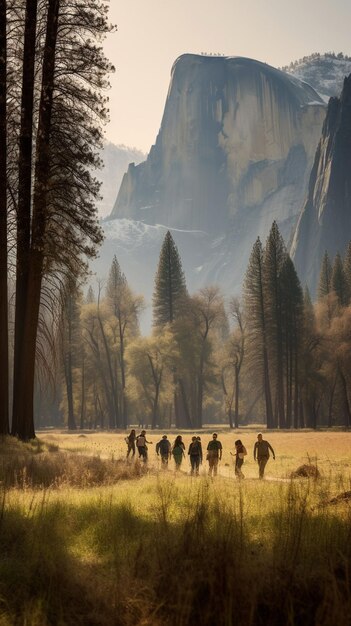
x=325 y=72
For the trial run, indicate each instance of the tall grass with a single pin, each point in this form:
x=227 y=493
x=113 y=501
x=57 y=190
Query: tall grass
x=175 y=550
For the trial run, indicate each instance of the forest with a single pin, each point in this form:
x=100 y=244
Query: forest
x=271 y=357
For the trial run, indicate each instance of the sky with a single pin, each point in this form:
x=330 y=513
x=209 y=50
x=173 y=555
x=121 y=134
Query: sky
x=151 y=34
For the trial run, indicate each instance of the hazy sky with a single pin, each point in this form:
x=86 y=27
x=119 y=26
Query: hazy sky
x=153 y=33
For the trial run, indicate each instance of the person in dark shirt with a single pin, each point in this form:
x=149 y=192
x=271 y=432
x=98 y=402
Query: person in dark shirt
x=214 y=454
x=195 y=454
x=240 y=453
x=163 y=449
x=261 y=453
x=130 y=441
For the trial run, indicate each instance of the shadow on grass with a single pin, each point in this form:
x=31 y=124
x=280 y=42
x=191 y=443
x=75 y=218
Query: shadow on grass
x=188 y=562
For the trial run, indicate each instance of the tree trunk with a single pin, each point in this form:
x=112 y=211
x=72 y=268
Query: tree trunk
x=200 y=392
x=19 y=426
x=330 y=404
x=71 y=422
x=115 y=418
x=236 y=408
x=296 y=391
x=4 y=345
x=39 y=219
x=267 y=391
x=346 y=403
x=124 y=406
x=155 y=407
x=82 y=401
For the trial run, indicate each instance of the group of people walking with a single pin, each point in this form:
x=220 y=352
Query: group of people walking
x=165 y=450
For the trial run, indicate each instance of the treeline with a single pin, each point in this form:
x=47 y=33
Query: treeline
x=312 y=57
x=272 y=357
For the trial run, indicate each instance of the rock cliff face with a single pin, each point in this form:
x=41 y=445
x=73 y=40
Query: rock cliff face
x=237 y=137
x=325 y=220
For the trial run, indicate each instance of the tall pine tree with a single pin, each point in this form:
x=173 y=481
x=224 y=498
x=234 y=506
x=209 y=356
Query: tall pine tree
x=292 y=330
x=339 y=283
x=255 y=314
x=347 y=268
x=170 y=288
x=169 y=304
x=273 y=259
x=324 y=284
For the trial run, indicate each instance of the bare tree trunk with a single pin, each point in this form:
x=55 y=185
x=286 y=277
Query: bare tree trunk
x=4 y=345
x=236 y=407
x=124 y=405
x=330 y=405
x=20 y=426
x=267 y=391
x=71 y=422
x=347 y=412
x=155 y=406
x=115 y=417
x=82 y=401
x=296 y=391
x=200 y=391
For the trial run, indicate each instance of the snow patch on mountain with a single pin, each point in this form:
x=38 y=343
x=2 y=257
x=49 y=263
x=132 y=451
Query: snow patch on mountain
x=324 y=72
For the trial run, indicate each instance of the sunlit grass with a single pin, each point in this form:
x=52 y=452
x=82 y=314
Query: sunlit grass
x=331 y=451
x=167 y=548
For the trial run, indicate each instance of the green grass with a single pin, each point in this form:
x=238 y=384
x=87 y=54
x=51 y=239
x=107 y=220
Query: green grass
x=169 y=549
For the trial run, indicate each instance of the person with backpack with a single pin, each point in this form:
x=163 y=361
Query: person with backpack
x=178 y=451
x=214 y=454
x=130 y=441
x=163 y=449
x=195 y=454
x=240 y=453
x=141 y=442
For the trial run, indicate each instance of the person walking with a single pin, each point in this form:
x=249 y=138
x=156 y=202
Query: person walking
x=163 y=449
x=214 y=454
x=178 y=451
x=240 y=453
x=130 y=441
x=141 y=442
x=261 y=453
x=195 y=454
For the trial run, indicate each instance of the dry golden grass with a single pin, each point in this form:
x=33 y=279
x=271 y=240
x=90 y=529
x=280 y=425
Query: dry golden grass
x=164 y=548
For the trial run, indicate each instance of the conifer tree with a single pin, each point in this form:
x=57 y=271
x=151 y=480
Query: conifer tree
x=324 y=284
x=169 y=298
x=273 y=259
x=338 y=282
x=292 y=330
x=256 y=325
x=170 y=288
x=62 y=108
x=347 y=268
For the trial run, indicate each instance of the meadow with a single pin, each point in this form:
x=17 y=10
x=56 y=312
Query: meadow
x=87 y=538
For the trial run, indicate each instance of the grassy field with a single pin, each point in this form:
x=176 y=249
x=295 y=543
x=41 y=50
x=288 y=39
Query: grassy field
x=331 y=451
x=86 y=538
